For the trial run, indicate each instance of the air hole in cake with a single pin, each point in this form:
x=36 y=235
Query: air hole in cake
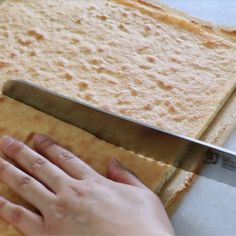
x=144 y=67
x=151 y=59
x=75 y=40
x=147 y=107
x=85 y=50
x=95 y=61
x=88 y=97
x=69 y=76
x=122 y=27
x=83 y=85
x=99 y=49
x=158 y=102
x=24 y=41
x=36 y=34
x=142 y=49
x=134 y=92
x=33 y=53
x=3 y=64
x=104 y=18
x=78 y=21
x=164 y=85
x=146 y=31
x=138 y=81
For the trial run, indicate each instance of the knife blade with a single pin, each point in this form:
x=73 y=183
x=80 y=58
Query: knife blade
x=125 y=132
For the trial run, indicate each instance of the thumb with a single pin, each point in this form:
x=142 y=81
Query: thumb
x=119 y=174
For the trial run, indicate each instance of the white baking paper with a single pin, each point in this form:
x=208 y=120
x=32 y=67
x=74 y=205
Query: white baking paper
x=208 y=209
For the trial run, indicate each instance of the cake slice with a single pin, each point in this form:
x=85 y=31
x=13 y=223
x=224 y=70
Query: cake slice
x=22 y=122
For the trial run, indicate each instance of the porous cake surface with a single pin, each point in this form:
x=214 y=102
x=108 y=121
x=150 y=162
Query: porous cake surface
x=121 y=55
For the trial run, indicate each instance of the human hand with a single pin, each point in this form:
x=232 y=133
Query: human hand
x=72 y=198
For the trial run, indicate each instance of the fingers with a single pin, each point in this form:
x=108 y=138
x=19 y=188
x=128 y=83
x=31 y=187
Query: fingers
x=32 y=162
x=24 y=220
x=119 y=174
x=66 y=160
x=28 y=188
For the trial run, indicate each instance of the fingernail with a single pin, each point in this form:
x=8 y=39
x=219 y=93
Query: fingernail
x=116 y=163
x=6 y=141
x=2 y=199
x=39 y=138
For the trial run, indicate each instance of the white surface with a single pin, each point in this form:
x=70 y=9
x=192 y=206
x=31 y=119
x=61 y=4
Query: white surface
x=221 y=12
x=210 y=207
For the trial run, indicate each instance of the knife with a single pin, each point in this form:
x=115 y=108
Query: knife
x=170 y=148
